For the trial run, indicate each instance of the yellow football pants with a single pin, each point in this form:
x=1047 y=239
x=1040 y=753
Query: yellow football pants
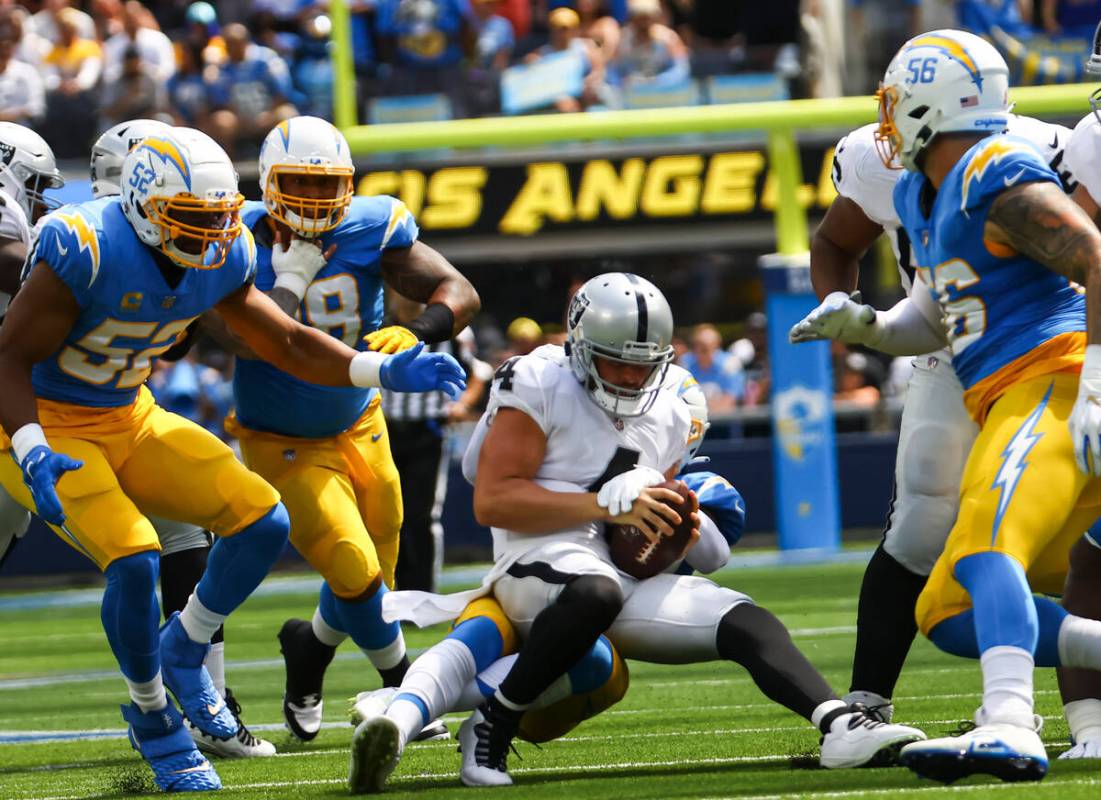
x=139 y=459
x=343 y=496
x=1022 y=494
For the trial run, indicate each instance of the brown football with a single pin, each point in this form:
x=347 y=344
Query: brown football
x=642 y=556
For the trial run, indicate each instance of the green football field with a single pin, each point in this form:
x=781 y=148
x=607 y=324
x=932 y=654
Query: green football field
x=697 y=731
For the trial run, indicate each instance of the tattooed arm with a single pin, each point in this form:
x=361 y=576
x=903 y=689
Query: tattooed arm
x=422 y=274
x=1039 y=221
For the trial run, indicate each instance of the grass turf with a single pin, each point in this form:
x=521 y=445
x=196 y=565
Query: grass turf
x=694 y=731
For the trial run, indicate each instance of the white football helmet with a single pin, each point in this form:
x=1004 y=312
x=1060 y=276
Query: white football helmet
x=179 y=192
x=27 y=168
x=944 y=81
x=622 y=318
x=307 y=146
x=693 y=396
x=111 y=148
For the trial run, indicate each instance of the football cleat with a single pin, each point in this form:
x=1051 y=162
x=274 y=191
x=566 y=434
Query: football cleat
x=163 y=742
x=875 y=706
x=484 y=740
x=434 y=731
x=374 y=704
x=306 y=659
x=1087 y=748
x=1009 y=752
x=186 y=677
x=241 y=745
x=864 y=741
x=376 y=750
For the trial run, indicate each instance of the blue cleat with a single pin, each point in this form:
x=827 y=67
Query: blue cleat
x=165 y=744
x=184 y=674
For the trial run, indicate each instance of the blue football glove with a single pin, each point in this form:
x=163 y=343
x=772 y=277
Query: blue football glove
x=42 y=469
x=415 y=371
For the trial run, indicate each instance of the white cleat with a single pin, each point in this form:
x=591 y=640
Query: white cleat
x=1009 y=752
x=241 y=745
x=1088 y=748
x=875 y=705
x=302 y=716
x=376 y=750
x=485 y=752
x=366 y=705
x=858 y=739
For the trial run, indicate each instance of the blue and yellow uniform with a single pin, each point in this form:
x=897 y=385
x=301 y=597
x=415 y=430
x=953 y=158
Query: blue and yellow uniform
x=1017 y=332
x=722 y=502
x=138 y=458
x=325 y=448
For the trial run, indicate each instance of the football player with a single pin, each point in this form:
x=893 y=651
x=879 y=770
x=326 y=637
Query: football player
x=1007 y=252
x=324 y=256
x=184 y=547
x=575 y=437
x=936 y=433
x=113 y=283
x=28 y=168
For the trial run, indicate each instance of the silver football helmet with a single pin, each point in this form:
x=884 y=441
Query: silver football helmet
x=27 y=169
x=622 y=318
x=110 y=151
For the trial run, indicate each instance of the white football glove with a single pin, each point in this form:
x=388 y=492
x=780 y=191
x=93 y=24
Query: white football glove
x=839 y=316
x=296 y=268
x=1085 y=418
x=620 y=493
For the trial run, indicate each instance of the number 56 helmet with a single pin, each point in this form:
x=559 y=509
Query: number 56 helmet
x=943 y=81
x=622 y=318
x=179 y=192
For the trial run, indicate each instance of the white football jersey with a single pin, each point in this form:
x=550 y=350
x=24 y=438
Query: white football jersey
x=586 y=446
x=13 y=227
x=1084 y=155
x=860 y=175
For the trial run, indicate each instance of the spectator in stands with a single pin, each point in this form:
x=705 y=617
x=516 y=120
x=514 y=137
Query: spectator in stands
x=22 y=93
x=518 y=13
x=46 y=23
x=30 y=47
x=853 y=381
x=524 y=335
x=600 y=27
x=154 y=49
x=752 y=353
x=565 y=36
x=187 y=91
x=108 y=18
x=250 y=93
x=267 y=32
x=430 y=35
x=649 y=53
x=719 y=373
x=494 y=37
x=1071 y=18
x=134 y=94
x=202 y=35
x=75 y=63
x=313 y=71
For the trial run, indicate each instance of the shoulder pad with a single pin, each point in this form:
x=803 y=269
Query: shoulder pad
x=998 y=163
x=1083 y=155
x=71 y=244
x=860 y=175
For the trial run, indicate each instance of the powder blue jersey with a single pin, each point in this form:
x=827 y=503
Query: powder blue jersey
x=999 y=305
x=345 y=300
x=130 y=314
x=722 y=502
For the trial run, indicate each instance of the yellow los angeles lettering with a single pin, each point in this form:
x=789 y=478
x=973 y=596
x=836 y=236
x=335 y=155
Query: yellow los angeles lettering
x=545 y=195
x=603 y=187
x=454 y=197
x=731 y=183
x=672 y=186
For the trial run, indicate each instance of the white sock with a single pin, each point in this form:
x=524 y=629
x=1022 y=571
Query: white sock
x=199 y=621
x=389 y=656
x=1007 y=686
x=438 y=678
x=216 y=666
x=325 y=632
x=1080 y=642
x=148 y=695
x=1084 y=719
x=824 y=708
x=407 y=716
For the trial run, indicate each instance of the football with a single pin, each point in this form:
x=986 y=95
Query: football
x=642 y=556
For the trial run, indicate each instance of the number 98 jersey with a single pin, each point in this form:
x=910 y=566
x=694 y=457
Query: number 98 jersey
x=345 y=300
x=129 y=312
x=1008 y=317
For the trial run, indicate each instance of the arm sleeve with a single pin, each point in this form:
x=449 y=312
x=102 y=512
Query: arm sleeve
x=711 y=551
x=912 y=327
x=722 y=502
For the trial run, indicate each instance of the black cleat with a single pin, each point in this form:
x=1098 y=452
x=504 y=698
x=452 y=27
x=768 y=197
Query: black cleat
x=306 y=659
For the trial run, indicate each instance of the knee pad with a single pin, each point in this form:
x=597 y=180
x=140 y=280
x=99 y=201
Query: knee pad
x=350 y=569
x=267 y=534
x=600 y=595
x=137 y=572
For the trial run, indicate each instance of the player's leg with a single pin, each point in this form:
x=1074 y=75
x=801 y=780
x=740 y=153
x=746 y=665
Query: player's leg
x=419 y=481
x=676 y=619
x=184 y=551
x=935 y=436
x=561 y=597
x=14 y=521
x=178 y=470
x=104 y=525
x=434 y=685
x=1081 y=688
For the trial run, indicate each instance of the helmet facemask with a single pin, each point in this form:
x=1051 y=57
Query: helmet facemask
x=888 y=142
x=191 y=226
x=309 y=216
x=617 y=400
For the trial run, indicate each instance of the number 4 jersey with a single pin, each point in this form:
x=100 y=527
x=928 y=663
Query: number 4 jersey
x=1008 y=317
x=129 y=311
x=344 y=301
x=586 y=447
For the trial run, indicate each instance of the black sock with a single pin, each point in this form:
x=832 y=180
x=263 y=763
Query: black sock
x=180 y=573
x=751 y=636
x=885 y=624
x=395 y=674
x=561 y=634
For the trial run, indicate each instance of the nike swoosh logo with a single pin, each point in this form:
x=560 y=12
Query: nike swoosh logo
x=1055 y=142
x=62 y=249
x=202 y=768
x=214 y=708
x=1010 y=181
x=375 y=437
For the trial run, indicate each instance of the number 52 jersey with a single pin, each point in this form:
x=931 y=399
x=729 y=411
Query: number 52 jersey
x=1009 y=317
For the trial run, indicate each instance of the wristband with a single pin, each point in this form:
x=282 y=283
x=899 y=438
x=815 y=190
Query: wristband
x=435 y=324
x=295 y=284
x=365 y=368
x=26 y=439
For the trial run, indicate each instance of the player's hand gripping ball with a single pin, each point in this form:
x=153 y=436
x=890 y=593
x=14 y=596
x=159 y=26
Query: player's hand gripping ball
x=644 y=553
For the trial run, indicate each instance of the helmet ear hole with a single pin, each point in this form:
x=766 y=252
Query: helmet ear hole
x=919 y=112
